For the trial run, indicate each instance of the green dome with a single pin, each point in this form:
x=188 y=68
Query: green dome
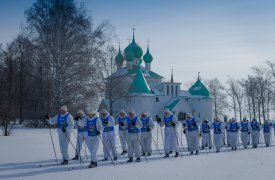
x=133 y=48
x=199 y=89
x=119 y=57
x=129 y=56
x=148 y=58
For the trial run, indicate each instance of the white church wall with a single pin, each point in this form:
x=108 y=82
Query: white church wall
x=202 y=108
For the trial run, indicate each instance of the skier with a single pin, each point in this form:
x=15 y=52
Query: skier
x=218 y=128
x=245 y=132
x=267 y=132
x=171 y=123
x=80 y=134
x=108 y=135
x=255 y=133
x=94 y=128
x=65 y=124
x=205 y=134
x=146 y=136
x=233 y=128
x=192 y=134
x=122 y=130
x=133 y=139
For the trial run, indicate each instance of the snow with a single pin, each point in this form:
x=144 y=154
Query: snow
x=23 y=152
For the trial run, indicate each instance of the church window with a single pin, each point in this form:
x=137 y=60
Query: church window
x=172 y=90
x=157 y=99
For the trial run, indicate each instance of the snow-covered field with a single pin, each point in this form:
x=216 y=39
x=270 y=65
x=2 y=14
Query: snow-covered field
x=22 y=153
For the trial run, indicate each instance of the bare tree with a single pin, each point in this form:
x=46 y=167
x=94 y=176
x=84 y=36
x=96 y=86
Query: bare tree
x=218 y=93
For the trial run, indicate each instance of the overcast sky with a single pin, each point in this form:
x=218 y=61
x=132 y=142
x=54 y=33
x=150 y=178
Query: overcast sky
x=215 y=37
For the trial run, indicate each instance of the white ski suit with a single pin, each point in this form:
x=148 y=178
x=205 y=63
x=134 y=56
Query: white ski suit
x=146 y=136
x=245 y=133
x=192 y=134
x=255 y=133
x=267 y=126
x=133 y=138
x=80 y=136
x=108 y=136
x=94 y=129
x=218 y=129
x=205 y=134
x=170 y=133
x=122 y=131
x=63 y=121
x=233 y=134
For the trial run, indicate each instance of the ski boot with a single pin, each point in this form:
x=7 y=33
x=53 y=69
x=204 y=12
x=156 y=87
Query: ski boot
x=166 y=155
x=177 y=154
x=75 y=158
x=138 y=160
x=64 y=162
x=130 y=159
x=93 y=164
x=123 y=153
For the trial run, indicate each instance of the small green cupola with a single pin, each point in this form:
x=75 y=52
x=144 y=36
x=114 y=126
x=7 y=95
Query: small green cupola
x=119 y=57
x=139 y=84
x=199 y=89
x=148 y=58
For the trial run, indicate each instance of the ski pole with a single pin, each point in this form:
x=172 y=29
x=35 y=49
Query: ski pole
x=141 y=147
x=111 y=142
x=53 y=144
x=80 y=149
x=81 y=161
x=177 y=140
x=85 y=146
x=106 y=150
x=157 y=136
x=161 y=134
x=155 y=143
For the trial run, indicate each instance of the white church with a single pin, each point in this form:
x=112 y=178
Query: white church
x=144 y=90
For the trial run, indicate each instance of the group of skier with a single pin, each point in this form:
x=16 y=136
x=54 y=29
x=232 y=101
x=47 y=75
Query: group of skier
x=135 y=133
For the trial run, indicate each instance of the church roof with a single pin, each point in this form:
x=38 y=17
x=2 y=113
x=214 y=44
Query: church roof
x=139 y=84
x=199 y=89
x=173 y=103
x=125 y=71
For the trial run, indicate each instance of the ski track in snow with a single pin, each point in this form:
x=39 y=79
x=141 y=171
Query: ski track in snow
x=22 y=154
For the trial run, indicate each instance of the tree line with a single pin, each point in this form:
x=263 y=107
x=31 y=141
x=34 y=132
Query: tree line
x=57 y=58
x=250 y=97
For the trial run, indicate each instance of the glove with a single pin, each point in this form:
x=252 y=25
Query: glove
x=47 y=117
x=105 y=122
x=173 y=124
x=226 y=128
x=238 y=128
x=208 y=127
x=76 y=118
x=97 y=132
x=184 y=125
x=248 y=132
x=184 y=132
x=63 y=130
x=148 y=129
x=122 y=124
x=200 y=134
x=133 y=123
x=158 y=120
x=194 y=124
